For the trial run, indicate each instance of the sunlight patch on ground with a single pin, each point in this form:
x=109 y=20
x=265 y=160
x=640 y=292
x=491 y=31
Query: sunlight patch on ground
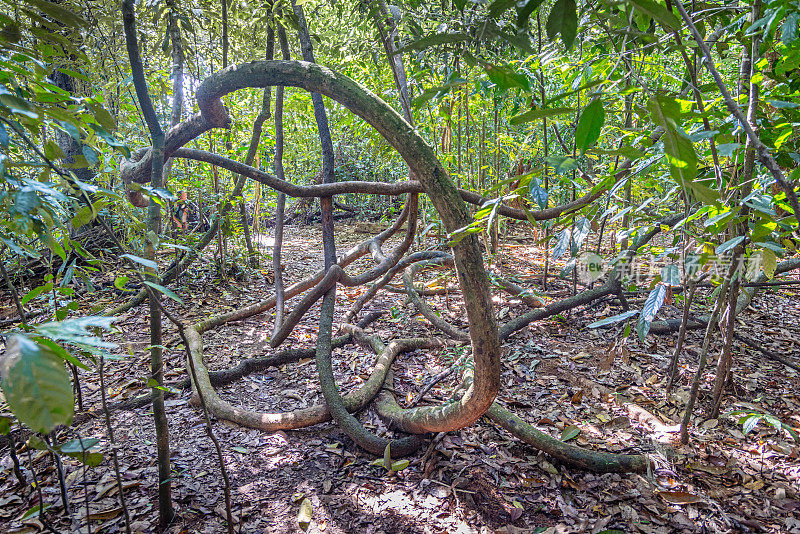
x=264 y=240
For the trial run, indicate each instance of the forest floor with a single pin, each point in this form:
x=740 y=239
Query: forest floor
x=573 y=382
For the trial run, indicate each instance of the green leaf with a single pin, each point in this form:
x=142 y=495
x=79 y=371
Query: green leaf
x=18 y=106
x=399 y=465
x=83 y=216
x=589 y=126
x=563 y=19
x=90 y=155
x=52 y=151
x=629 y=152
x=538 y=193
x=36 y=385
x=37 y=443
x=729 y=244
x=562 y=246
x=167 y=291
x=525 y=9
x=120 y=282
x=33 y=512
x=150 y=264
x=769 y=262
x=657 y=12
x=704 y=194
x=613 y=319
x=70 y=129
x=579 y=234
x=561 y=164
x=666 y=112
x=651 y=306
x=538 y=113
x=792 y=432
x=790 y=32
x=506 y=77
x=750 y=422
x=387 y=456
x=782 y=104
x=54 y=246
x=76 y=331
x=671 y=275
x=570 y=432
x=80 y=450
x=5 y=425
x=61 y=352
x=774 y=247
x=35 y=292
x=498 y=7
x=59 y=13
x=78 y=445
x=103 y=116
x=727 y=149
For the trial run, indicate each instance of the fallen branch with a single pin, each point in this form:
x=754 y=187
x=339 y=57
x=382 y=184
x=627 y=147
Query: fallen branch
x=572 y=455
x=429 y=385
x=247 y=367
x=422 y=307
x=271 y=422
x=774 y=355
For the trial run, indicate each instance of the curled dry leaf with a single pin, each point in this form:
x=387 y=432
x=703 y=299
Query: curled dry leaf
x=304 y=515
x=680 y=497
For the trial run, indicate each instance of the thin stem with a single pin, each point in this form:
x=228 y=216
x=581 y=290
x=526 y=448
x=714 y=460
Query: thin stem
x=12 y=289
x=114 y=458
x=209 y=429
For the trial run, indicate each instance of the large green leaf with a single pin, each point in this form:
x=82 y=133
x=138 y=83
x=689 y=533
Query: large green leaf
x=729 y=244
x=613 y=319
x=651 y=306
x=524 y=10
x=579 y=234
x=538 y=113
x=498 y=7
x=657 y=12
x=562 y=164
x=36 y=385
x=505 y=77
x=167 y=291
x=666 y=112
x=563 y=19
x=538 y=193
x=77 y=331
x=563 y=243
x=589 y=126
x=671 y=275
x=59 y=13
x=150 y=264
x=790 y=32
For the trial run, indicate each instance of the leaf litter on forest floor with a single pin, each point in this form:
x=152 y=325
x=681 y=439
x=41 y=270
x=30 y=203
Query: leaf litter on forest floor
x=557 y=375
